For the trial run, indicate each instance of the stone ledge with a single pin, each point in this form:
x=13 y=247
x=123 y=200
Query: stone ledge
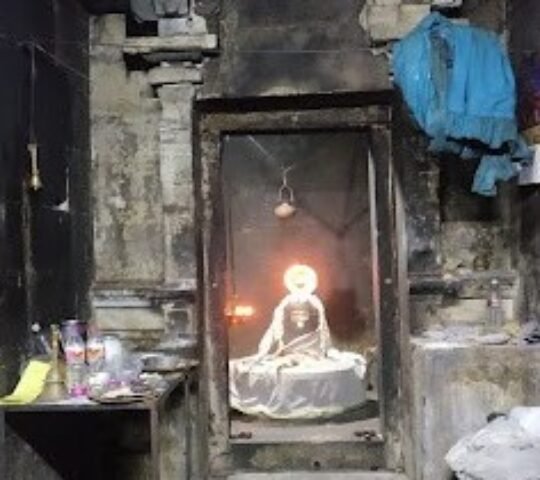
x=446 y=3
x=473 y=285
x=173 y=75
x=184 y=286
x=318 y=476
x=386 y=20
x=177 y=43
x=433 y=3
x=129 y=320
x=391 y=21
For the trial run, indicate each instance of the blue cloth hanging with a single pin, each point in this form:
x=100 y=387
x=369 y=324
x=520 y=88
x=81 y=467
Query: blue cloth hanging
x=459 y=84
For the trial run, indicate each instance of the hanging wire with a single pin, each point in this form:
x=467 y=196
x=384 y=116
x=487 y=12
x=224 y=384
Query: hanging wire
x=32 y=126
x=293 y=51
x=35 y=46
x=84 y=47
x=286 y=193
x=61 y=63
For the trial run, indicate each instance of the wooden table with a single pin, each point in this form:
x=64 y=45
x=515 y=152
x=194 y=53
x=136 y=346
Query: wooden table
x=154 y=407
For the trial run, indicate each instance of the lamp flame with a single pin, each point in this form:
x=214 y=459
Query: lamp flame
x=238 y=313
x=244 y=311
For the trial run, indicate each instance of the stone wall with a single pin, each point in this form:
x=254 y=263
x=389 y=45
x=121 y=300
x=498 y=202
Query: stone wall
x=284 y=48
x=45 y=243
x=525 y=47
x=142 y=155
x=142 y=149
x=456 y=386
x=142 y=159
x=45 y=252
x=457 y=240
x=128 y=219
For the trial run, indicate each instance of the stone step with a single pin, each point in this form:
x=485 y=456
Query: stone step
x=337 y=475
x=308 y=456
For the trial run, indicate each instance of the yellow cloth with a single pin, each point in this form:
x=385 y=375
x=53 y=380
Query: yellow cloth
x=30 y=385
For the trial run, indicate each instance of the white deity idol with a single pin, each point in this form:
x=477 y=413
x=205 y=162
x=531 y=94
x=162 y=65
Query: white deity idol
x=296 y=372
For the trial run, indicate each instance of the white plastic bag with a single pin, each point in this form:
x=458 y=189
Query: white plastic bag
x=508 y=448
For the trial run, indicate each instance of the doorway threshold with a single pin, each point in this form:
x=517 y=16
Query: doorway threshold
x=243 y=431
x=361 y=424
x=309 y=456
x=306 y=475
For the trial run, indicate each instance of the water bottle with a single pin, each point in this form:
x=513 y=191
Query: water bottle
x=114 y=357
x=495 y=321
x=76 y=375
x=95 y=351
x=74 y=351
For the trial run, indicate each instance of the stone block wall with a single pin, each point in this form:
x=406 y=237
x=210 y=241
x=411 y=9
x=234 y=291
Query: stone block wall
x=128 y=220
x=144 y=247
x=283 y=48
x=456 y=386
x=455 y=238
x=525 y=47
x=142 y=139
x=142 y=160
x=142 y=164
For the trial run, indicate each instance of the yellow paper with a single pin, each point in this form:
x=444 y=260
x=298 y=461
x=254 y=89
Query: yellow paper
x=30 y=385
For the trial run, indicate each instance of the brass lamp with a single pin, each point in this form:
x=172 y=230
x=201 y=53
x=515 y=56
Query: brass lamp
x=35 y=178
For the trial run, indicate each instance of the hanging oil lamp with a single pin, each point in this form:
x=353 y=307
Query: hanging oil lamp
x=35 y=177
x=285 y=208
x=34 y=181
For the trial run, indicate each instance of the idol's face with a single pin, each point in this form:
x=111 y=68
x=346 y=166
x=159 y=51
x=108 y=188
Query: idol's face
x=300 y=279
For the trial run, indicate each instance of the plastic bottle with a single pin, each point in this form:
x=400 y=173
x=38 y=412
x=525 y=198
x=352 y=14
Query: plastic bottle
x=95 y=351
x=495 y=321
x=114 y=357
x=41 y=344
x=74 y=351
x=76 y=379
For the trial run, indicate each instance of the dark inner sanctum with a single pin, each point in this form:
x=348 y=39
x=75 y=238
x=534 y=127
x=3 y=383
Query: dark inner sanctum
x=324 y=179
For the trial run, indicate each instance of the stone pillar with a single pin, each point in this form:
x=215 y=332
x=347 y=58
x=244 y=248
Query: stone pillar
x=125 y=162
x=143 y=188
x=176 y=157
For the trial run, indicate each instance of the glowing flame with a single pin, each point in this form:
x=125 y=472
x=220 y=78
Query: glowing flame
x=300 y=279
x=244 y=311
x=238 y=313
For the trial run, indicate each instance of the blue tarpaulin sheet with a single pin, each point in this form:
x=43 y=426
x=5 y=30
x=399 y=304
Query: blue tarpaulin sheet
x=459 y=84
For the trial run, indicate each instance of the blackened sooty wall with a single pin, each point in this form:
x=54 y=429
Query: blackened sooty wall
x=44 y=235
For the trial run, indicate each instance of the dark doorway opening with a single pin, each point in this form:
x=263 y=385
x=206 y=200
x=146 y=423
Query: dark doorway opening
x=328 y=175
x=344 y=226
